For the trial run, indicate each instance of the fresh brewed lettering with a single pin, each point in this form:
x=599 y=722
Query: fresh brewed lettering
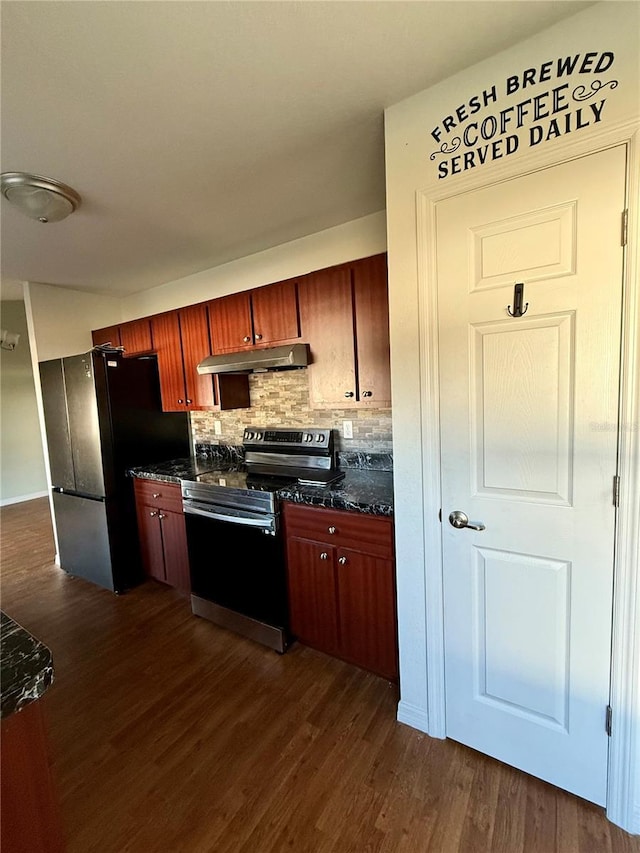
x=535 y=118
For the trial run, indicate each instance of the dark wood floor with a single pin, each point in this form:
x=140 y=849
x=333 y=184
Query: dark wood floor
x=169 y=734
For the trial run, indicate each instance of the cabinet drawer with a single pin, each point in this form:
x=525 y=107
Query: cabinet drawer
x=341 y=528
x=156 y=493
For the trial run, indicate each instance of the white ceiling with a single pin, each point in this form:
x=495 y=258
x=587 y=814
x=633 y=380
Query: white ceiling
x=200 y=132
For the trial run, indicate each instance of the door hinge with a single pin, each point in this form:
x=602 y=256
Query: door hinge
x=625 y=227
x=616 y=490
x=607 y=720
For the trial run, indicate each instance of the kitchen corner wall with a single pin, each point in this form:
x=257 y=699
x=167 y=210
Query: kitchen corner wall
x=282 y=399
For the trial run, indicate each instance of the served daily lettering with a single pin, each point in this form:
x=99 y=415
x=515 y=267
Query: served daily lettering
x=532 y=119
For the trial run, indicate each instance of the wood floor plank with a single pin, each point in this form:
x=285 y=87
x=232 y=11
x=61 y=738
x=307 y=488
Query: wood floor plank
x=171 y=735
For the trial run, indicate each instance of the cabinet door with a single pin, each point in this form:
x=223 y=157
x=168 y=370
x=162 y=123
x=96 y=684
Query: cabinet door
x=166 y=343
x=196 y=345
x=176 y=557
x=372 y=330
x=108 y=335
x=367 y=612
x=135 y=337
x=312 y=594
x=230 y=323
x=151 y=541
x=275 y=313
x=326 y=319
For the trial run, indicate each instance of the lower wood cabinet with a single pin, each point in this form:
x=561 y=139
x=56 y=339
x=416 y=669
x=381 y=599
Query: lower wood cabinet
x=341 y=577
x=163 y=538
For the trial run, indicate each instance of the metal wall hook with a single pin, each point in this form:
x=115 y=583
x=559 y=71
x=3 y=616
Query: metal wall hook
x=518 y=296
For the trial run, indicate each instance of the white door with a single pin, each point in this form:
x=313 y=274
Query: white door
x=528 y=426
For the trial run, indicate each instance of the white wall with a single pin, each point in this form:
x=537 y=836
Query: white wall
x=415 y=130
x=22 y=472
x=60 y=320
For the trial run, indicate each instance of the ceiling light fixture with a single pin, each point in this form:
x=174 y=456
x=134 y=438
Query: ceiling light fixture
x=42 y=199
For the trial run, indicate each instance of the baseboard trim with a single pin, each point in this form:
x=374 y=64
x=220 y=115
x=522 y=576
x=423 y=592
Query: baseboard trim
x=21 y=498
x=414 y=716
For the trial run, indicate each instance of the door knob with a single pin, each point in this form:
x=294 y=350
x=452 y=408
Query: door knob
x=246 y=339
x=342 y=561
x=324 y=556
x=459 y=519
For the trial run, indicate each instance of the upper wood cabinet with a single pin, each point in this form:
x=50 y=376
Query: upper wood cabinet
x=134 y=336
x=108 y=335
x=181 y=341
x=265 y=316
x=344 y=314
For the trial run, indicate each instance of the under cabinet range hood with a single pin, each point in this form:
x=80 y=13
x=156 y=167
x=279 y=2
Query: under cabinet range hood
x=258 y=360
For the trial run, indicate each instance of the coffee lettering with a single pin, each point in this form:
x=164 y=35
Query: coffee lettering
x=559 y=110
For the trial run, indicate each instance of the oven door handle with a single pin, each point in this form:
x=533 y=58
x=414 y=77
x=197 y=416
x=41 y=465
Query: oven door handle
x=267 y=522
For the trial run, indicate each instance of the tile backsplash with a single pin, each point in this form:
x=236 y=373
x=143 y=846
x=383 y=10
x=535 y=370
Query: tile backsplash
x=282 y=398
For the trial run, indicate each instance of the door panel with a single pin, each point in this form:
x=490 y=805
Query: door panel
x=528 y=431
x=166 y=342
x=521 y=419
x=194 y=331
x=54 y=403
x=275 y=313
x=84 y=426
x=83 y=538
x=536 y=245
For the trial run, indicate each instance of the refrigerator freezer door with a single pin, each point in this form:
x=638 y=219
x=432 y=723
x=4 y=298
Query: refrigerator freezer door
x=57 y=424
x=84 y=427
x=83 y=539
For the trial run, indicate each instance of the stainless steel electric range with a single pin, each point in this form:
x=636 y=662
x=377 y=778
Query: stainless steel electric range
x=236 y=551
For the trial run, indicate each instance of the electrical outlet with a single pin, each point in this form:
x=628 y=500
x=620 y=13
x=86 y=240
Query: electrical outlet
x=347 y=429
x=217 y=427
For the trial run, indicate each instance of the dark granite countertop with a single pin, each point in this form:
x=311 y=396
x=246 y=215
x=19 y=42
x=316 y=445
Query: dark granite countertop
x=26 y=667
x=367 y=486
x=367 y=491
x=173 y=471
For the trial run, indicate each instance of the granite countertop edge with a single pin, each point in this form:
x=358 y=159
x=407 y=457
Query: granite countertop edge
x=365 y=488
x=26 y=667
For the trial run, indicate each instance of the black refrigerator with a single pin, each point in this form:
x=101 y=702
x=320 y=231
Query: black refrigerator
x=103 y=416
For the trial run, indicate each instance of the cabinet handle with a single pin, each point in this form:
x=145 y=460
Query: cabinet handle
x=157 y=495
x=180 y=402
x=342 y=561
x=324 y=556
x=258 y=337
x=332 y=529
x=348 y=393
x=153 y=514
x=367 y=393
x=189 y=402
x=161 y=516
x=246 y=339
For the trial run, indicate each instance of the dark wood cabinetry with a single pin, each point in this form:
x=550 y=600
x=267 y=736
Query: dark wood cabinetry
x=163 y=538
x=134 y=336
x=107 y=335
x=344 y=314
x=265 y=316
x=341 y=312
x=342 y=585
x=181 y=340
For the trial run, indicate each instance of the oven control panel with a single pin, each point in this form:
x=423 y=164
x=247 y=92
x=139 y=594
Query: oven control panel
x=318 y=438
